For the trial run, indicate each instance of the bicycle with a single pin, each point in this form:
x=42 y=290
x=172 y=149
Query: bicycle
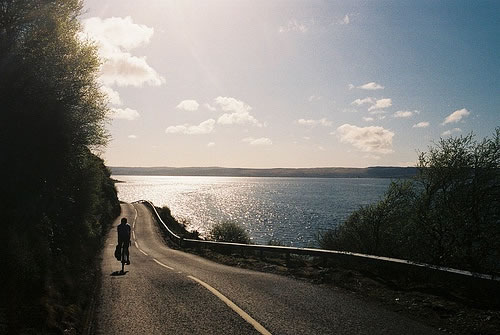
x=124 y=252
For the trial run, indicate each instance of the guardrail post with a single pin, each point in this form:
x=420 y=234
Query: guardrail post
x=181 y=242
x=287 y=258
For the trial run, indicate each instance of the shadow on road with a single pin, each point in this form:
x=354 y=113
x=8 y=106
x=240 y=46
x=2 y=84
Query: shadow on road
x=119 y=273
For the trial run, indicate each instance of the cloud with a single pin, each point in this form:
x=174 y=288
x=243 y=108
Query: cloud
x=359 y=102
x=371 y=86
x=240 y=112
x=228 y=104
x=405 y=114
x=456 y=116
x=206 y=127
x=306 y=122
x=133 y=137
x=345 y=20
x=188 y=105
x=115 y=37
x=209 y=107
x=294 y=26
x=423 y=124
x=407 y=164
x=258 y=141
x=113 y=96
x=123 y=69
x=451 y=131
x=378 y=112
x=376 y=105
x=367 y=139
x=381 y=103
x=124 y=114
x=368 y=119
x=119 y=32
x=314 y=98
x=321 y=122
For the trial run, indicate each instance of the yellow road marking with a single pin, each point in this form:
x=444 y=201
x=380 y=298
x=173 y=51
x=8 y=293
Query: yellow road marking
x=219 y=295
x=160 y=263
x=233 y=306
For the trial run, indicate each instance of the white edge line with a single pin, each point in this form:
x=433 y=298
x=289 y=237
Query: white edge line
x=135 y=218
x=133 y=232
x=233 y=306
x=160 y=263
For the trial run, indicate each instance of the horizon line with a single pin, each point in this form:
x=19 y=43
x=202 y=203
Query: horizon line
x=258 y=168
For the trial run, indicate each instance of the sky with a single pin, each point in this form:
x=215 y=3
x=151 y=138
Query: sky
x=264 y=84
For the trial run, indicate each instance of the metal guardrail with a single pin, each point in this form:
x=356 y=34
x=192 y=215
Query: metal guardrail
x=340 y=256
x=172 y=235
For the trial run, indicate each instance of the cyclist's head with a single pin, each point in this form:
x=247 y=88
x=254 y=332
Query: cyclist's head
x=124 y=220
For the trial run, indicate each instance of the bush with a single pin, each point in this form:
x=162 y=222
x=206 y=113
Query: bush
x=229 y=232
x=448 y=215
x=378 y=229
x=180 y=228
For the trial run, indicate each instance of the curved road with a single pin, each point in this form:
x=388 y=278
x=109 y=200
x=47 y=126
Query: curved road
x=167 y=291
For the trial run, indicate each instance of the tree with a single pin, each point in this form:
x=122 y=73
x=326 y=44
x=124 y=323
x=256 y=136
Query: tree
x=377 y=229
x=458 y=210
x=57 y=194
x=448 y=215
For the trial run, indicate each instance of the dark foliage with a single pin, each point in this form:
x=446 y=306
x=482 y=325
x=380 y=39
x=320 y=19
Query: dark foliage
x=58 y=199
x=229 y=232
x=448 y=215
x=180 y=228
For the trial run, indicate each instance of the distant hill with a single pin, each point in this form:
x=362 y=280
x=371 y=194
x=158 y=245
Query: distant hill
x=328 y=172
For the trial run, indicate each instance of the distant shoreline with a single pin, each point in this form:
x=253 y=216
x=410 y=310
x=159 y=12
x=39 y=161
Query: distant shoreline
x=329 y=172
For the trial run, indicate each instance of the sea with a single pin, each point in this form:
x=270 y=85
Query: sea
x=285 y=211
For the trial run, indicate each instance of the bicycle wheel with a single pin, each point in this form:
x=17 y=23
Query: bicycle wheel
x=122 y=252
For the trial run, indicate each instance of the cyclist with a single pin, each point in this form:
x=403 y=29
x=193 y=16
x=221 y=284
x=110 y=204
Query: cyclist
x=124 y=241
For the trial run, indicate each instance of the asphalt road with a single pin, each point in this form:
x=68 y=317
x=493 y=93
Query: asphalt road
x=166 y=291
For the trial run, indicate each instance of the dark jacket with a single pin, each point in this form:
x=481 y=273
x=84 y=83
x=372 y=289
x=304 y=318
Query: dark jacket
x=123 y=233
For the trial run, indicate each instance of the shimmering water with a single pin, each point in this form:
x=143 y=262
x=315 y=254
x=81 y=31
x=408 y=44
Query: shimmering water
x=290 y=210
